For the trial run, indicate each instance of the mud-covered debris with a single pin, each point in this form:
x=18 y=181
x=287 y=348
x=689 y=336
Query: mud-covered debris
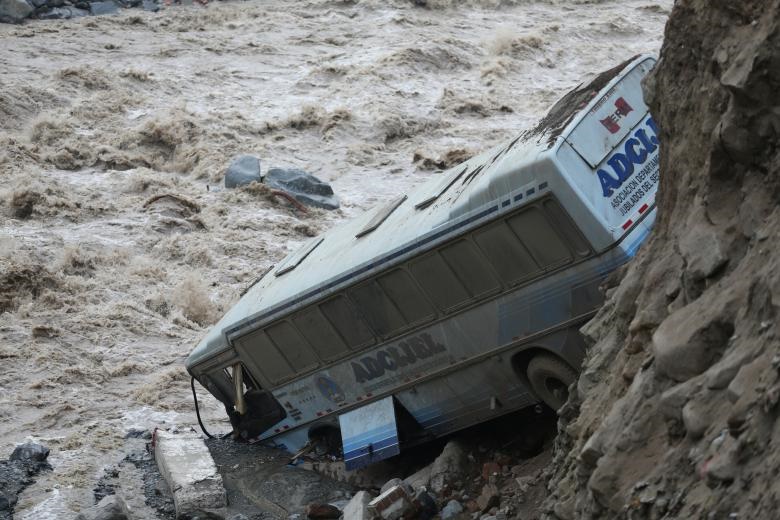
x=322 y=512
x=425 y=160
x=111 y=507
x=563 y=111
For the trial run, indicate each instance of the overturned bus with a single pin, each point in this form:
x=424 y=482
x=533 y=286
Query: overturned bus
x=455 y=303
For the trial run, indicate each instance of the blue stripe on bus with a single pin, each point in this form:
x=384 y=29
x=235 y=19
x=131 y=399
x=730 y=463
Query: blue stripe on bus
x=376 y=447
x=371 y=436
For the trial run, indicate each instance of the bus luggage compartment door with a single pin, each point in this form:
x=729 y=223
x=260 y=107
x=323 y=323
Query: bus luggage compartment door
x=369 y=434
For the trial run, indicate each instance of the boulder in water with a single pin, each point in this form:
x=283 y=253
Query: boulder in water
x=14 y=11
x=63 y=13
x=30 y=451
x=304 y=187
x=106 y=7
x=244 y=169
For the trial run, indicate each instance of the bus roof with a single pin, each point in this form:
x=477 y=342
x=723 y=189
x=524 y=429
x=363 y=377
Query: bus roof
x=386 y=234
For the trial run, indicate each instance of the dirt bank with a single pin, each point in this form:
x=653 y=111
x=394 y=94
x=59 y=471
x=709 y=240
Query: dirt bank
x=676 y=412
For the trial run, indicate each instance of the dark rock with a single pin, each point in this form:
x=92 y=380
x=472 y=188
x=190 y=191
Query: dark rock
x=324 y=511
x=151 y=6
x=425 y=505
x=63 y=13
x=38 y=3
x=105 y=7
x=30 y=451
x=110 y=508
x=306 y=188
x=14 y=11
x=244 y=169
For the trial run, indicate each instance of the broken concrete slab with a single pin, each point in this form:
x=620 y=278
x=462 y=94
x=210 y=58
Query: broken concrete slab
x=186 y=465
x=357 y=508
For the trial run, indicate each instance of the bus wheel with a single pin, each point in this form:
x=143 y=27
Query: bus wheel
x=550 y=378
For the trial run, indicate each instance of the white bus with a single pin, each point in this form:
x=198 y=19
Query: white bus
x=454 y=303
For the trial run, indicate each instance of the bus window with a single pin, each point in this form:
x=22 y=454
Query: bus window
x=378 y=309
x=438 y=281
x=505 y=253
x=544 y=243
x=470 y=267
x=350 y=325
x=567 y=228
x=265 y=356
x=319 y=333
x=412 y=303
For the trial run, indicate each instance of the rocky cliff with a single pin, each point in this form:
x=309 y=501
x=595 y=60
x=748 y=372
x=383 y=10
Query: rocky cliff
x=675 y=414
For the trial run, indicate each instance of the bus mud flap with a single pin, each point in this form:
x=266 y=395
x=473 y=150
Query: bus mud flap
x=369 y=434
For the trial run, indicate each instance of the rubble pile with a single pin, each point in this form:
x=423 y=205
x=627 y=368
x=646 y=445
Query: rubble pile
x=675 y=414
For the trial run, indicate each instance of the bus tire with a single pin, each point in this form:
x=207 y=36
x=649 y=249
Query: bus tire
x=550 y=379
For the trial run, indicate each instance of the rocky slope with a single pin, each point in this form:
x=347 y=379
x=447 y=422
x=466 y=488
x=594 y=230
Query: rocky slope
x=675 y=415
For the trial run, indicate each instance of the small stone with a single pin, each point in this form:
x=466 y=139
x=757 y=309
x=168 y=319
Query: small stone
x=392 y=504
x=490 y=468
x=244 y=170
x=452 y=509
x=425 y=505
x=695 y=419
x=392 y=483
x=322 y=511
x=489 y=497
x=523 y=483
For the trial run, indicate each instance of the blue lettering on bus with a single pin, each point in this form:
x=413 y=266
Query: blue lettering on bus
x=392 y=358
x=635 y=152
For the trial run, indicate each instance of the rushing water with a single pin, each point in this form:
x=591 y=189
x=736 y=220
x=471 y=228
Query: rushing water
x=105 y=292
